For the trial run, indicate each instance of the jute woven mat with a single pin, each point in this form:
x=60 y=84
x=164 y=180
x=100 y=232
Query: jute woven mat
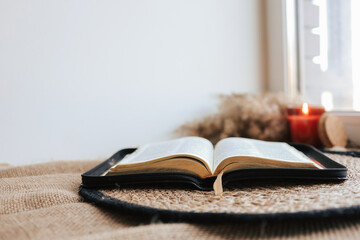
x=41 y=201
x=252 y=197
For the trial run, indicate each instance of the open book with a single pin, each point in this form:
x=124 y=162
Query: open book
x=197 y=156
x=195 y=161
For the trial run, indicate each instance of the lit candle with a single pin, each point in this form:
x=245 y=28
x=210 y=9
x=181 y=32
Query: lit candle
x=304 y=124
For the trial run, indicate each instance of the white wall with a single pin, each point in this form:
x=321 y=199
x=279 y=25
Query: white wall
x=82 y=78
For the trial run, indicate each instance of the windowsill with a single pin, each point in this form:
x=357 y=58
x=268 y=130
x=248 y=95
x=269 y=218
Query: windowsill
x=352 y=124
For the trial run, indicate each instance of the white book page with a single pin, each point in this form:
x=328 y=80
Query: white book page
x=231 y=147
x=191 y=146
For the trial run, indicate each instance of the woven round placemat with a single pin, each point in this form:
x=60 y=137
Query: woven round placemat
x=248 y=200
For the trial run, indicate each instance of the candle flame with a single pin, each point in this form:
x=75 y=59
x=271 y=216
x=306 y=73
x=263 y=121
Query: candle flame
x=305 y=109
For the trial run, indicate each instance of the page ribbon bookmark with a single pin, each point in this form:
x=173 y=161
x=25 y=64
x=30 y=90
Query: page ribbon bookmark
x=218 y=188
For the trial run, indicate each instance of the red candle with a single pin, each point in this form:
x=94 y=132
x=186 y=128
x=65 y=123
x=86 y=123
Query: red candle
x=303 y=123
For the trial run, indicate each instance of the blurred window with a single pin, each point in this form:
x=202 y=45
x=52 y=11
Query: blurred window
x=329 y=52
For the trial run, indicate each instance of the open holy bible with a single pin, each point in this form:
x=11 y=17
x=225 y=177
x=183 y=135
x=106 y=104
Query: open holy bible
x=196 y=161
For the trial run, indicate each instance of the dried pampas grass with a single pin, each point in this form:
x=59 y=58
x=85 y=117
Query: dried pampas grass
x=244 y=115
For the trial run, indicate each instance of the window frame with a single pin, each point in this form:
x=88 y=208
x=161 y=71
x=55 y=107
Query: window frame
x=284 y=64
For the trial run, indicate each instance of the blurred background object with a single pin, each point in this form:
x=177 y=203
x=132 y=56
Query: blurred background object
x=81 y=79
x=330 y=53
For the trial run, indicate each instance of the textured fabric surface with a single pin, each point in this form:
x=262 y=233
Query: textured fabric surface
x=42 y=202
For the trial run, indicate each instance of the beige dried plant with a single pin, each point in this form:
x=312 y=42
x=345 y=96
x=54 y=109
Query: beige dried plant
x=244 y=115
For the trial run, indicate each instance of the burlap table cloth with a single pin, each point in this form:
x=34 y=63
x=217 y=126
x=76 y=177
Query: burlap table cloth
x=42 y=202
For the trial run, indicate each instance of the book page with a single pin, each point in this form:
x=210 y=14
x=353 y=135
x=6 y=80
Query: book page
x=188 y=146
x=232 y=147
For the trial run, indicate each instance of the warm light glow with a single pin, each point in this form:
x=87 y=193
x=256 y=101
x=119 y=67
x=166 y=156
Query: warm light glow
x=305 y=109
